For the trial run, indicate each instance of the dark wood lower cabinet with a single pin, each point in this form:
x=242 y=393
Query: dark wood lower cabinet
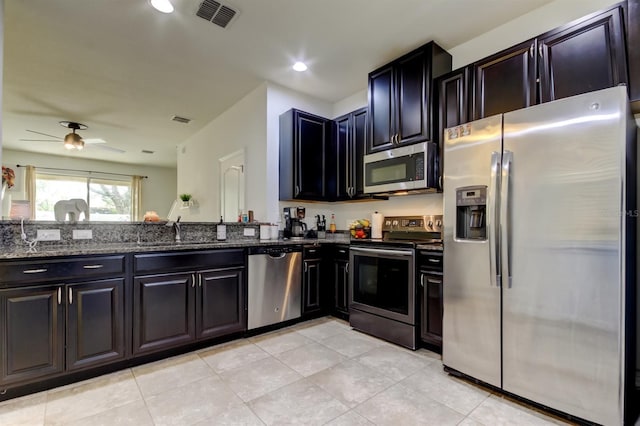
x=173 y=309
x=95 y=323
x=311 y=296
x=341 y=279
x=431 y=308
x=220 y=307
x=32 y=333
x=163 y=311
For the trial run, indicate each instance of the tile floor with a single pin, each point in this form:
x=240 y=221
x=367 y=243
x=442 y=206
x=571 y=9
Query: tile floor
x=317 y=372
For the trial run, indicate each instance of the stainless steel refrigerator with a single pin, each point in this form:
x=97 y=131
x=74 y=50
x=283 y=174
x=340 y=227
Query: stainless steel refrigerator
x=539 y=259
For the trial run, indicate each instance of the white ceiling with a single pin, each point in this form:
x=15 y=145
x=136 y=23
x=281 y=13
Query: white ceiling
x=124 y=69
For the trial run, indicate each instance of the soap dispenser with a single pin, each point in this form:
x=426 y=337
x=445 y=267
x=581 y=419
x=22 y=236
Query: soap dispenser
x=221 y=231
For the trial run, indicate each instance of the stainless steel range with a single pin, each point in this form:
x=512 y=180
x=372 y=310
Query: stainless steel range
x=382 y=287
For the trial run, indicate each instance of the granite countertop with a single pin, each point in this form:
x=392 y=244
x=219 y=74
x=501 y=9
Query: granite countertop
x=21 y=252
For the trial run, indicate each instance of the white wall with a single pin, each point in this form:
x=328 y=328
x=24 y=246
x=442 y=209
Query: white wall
x=158 y=191
x=243 y=126
x=350 y=103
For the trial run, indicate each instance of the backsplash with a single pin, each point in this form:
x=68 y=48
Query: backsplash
x=113 y=233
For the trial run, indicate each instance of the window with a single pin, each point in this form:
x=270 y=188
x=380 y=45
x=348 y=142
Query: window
x=109 y=198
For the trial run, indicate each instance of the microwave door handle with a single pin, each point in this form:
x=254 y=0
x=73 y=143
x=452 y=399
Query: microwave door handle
x=505 y=216
x=492 y=220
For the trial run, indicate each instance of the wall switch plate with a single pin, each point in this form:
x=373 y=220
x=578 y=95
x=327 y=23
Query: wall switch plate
x=82 y=234
x=48 y=235
x=249 y=232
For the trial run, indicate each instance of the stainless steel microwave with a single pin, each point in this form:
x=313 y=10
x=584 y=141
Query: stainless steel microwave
x=407 y=168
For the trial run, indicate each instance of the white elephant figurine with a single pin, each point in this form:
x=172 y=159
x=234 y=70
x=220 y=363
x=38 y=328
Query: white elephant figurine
x=70 y=210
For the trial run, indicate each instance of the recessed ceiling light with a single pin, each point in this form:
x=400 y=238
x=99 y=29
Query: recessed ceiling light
x=163 y=6
x=300 y=66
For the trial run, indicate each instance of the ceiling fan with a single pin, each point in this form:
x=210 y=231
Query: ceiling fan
x=73 y=140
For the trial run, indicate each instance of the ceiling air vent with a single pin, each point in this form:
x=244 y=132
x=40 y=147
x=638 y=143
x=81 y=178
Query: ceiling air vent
x=182 y=120
x=215 y=12
x=146 y=151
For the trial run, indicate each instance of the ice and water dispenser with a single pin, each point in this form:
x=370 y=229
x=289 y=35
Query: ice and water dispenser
x=471 y=213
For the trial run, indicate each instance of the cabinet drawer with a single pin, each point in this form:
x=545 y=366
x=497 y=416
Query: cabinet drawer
x=58 y=269
x=185 y=261
x=430 y=260
x=314 y=252
x=341 y=253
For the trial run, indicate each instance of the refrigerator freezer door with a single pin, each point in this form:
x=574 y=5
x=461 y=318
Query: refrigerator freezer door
x=471 y=324
x=562 y=313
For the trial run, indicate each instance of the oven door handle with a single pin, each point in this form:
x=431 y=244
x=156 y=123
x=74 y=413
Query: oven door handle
x=396 y=253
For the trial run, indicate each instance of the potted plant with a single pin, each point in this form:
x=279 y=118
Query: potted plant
x=186 y=200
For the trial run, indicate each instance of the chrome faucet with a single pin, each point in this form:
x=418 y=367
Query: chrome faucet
x=176 y=227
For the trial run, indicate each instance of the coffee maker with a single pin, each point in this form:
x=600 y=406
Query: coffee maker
x=294 y=226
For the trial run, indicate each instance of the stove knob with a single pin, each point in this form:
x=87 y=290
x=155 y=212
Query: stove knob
x=430 y=225
x=395 y=223
x=439 y=223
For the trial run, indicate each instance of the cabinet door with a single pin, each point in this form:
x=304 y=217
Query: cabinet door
x=382 y=105
x=220 y=303
x=32 y=333
x=412 y=112
x=311 y=134
x=585 y=57
x=506 y=81
x=311 y=286
x=341 y=279
x=95 y=323
x=431 y=308
x=453 y=107
x=360 y=132
x=163 y=311
x=342 y=135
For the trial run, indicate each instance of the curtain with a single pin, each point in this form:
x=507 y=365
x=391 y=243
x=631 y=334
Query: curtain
x=30 y=189
x=136 y=198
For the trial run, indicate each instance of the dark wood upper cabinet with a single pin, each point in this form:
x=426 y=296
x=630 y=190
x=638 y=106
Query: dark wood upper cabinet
x=505 y=81
x=583 y=57
x=401 y=95
x=303 y=165
x=453 y=107
x=350 y=135
x=633 y=51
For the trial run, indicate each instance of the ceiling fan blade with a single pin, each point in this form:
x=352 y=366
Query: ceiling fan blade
x=45 y=134
x=109 y=148
x=39 y=140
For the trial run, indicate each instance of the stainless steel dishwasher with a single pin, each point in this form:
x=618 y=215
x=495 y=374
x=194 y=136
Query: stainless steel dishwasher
x=275 y=285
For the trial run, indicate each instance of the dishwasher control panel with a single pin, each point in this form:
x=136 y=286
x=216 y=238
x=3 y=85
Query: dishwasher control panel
x=275 y=249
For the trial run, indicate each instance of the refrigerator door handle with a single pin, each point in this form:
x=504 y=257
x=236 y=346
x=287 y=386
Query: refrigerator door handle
x=492 y=220
x=505 y=216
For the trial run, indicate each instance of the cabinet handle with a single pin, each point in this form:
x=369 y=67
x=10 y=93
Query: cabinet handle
x=199 y=280
x=421 y=280
x=434 y=260
x=432 y=281
x=59 y=295
x=297 y=190
x=70 y=296
x=540 y=49
x=531 y=50
x=305 y=266
x=346 y=268
x=193 y=280
x=34 y=271
x=93 y=266
x=342 y=251
x=440 y=182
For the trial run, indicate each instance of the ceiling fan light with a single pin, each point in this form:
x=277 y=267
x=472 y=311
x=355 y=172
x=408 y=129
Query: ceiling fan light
x=79 y=145
x=68 y=143
x=163 y=6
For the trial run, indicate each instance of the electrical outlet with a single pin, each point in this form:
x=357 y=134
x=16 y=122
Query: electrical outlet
x=249 y=232
x=48 y=235
x=82 y=234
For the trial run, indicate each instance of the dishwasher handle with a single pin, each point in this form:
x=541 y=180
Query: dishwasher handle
x=277 y=256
